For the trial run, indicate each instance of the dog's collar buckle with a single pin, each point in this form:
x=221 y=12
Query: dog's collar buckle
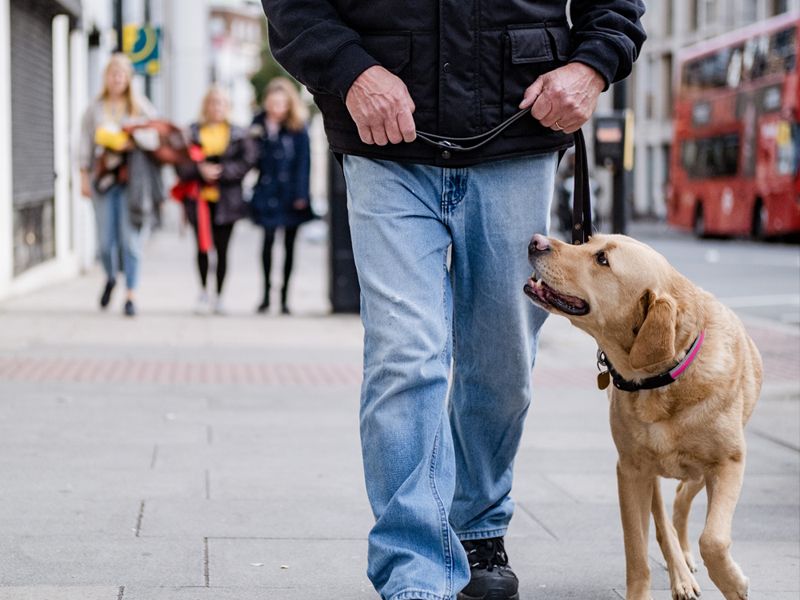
x=650 y=383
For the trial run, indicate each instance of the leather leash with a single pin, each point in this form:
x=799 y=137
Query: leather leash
x=581 y=199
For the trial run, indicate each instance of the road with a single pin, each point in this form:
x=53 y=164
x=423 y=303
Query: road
x=756 y=279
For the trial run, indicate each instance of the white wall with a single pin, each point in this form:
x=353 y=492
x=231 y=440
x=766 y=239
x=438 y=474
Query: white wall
x=83 y=227
x=186 y=65
x=6 y=237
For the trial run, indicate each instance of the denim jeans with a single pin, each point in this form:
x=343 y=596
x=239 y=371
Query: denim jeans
x=119 y=240
x=441 y=256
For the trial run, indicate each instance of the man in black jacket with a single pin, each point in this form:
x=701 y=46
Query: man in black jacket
x=440 y=236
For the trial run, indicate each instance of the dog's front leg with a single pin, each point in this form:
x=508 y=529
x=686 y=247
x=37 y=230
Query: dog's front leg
x=635 y=497
x=683 y=584
x=723 y=485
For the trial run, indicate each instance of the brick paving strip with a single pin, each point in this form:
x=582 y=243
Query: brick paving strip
x=779 y=351
x=90 y=370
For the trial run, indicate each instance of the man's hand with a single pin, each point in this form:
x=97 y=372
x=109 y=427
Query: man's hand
x=565 y=98
x=381 y=107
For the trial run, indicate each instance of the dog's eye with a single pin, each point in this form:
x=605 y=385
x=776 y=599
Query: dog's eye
x=601 y=258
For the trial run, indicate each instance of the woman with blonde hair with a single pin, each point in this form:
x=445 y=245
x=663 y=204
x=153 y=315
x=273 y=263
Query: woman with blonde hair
x=211 y=183
x=105 y=150
x=281 y=196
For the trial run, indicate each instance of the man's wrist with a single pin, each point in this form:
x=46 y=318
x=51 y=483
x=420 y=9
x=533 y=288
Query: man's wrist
x=354 y=60
x=600 y=56
x=591 y=72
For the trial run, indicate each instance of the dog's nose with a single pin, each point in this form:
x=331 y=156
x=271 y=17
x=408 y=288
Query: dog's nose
x=539 y=243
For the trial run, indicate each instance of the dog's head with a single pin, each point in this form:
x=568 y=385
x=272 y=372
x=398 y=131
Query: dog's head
x=613 y=287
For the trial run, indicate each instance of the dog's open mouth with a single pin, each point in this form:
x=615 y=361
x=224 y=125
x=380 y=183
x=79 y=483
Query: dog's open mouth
x=541 y=293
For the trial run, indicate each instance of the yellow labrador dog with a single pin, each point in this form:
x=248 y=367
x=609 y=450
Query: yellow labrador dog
x=685 y=378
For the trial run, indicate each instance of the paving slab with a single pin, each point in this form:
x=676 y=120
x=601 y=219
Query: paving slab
x=100 y=560
x=48 y=592
x=317 y=569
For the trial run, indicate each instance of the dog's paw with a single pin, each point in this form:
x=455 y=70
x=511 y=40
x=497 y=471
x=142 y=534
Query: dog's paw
x=686 y=591
x=684 y=586
x=742 y=592
x=690 y=562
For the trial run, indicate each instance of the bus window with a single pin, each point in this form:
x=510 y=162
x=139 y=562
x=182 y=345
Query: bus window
x=716 y=156
x=783 y=51
x=735 y=69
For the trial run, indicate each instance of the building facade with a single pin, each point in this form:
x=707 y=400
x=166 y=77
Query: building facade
x=672 y=25
x=39 y=51
x=236 y=30
x=52 y=53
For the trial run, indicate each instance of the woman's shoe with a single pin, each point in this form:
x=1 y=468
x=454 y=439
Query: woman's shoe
x=106 y=297
x=130 y=309
x=203 y=305
x=263 y=308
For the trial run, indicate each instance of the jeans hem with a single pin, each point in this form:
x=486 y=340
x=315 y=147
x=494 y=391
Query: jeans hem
x=481 y=535
x=418 y=595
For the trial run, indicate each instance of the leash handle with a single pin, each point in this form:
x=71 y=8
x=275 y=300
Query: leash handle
x=581 y=196
x=581 y=193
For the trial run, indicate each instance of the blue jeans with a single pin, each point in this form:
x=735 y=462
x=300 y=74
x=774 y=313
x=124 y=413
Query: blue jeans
x=441 y=256
x=118 y=238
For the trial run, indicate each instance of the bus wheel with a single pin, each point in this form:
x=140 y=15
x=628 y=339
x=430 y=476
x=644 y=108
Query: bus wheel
x=699 y=223
x=759 y=227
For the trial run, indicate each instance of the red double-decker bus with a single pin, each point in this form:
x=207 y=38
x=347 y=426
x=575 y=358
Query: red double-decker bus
x=736 y=151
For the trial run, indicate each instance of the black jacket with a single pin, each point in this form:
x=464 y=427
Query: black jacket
x=239 y=157
x=466 y=64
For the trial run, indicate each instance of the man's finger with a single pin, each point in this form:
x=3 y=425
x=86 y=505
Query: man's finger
x=531 y=93
x=551 y=117
x=393 y=131
x=408 y=128
x=541 y=107
x=365 y=134
x=379 y=134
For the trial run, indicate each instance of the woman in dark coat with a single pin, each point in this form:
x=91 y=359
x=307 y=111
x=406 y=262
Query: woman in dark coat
x=281 y=196
x=211 y=186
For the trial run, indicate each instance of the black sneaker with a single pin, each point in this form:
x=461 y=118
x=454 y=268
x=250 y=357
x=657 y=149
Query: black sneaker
x=106 y=297
x=130 y=309
x=492 y=578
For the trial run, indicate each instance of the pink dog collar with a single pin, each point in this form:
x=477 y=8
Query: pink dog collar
x=650 y=383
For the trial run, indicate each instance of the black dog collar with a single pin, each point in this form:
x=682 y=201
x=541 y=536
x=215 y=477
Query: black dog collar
x=650 y=383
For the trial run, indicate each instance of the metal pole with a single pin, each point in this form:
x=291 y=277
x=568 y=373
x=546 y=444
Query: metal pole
x=619 y=216
x=118 y=24
x=148 y=80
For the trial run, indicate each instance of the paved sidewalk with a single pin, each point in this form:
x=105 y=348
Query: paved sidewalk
x=178 y=457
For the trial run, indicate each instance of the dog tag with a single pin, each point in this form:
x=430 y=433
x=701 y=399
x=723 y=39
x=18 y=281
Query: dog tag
x=603 y=380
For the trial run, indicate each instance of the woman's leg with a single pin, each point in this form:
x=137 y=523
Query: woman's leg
x=222 y=235
x=266 y=262
x=289 y=237
x=131 y=238
x=202 y=258
x=104 y=212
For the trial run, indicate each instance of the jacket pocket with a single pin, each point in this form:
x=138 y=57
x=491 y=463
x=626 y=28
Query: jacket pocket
x=392 y=50
x=528 y=52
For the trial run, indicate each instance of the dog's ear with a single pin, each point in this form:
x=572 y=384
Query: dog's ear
x=655 y=340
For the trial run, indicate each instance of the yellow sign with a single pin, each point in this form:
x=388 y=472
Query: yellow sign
x=141 y=44
x=627 y=157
